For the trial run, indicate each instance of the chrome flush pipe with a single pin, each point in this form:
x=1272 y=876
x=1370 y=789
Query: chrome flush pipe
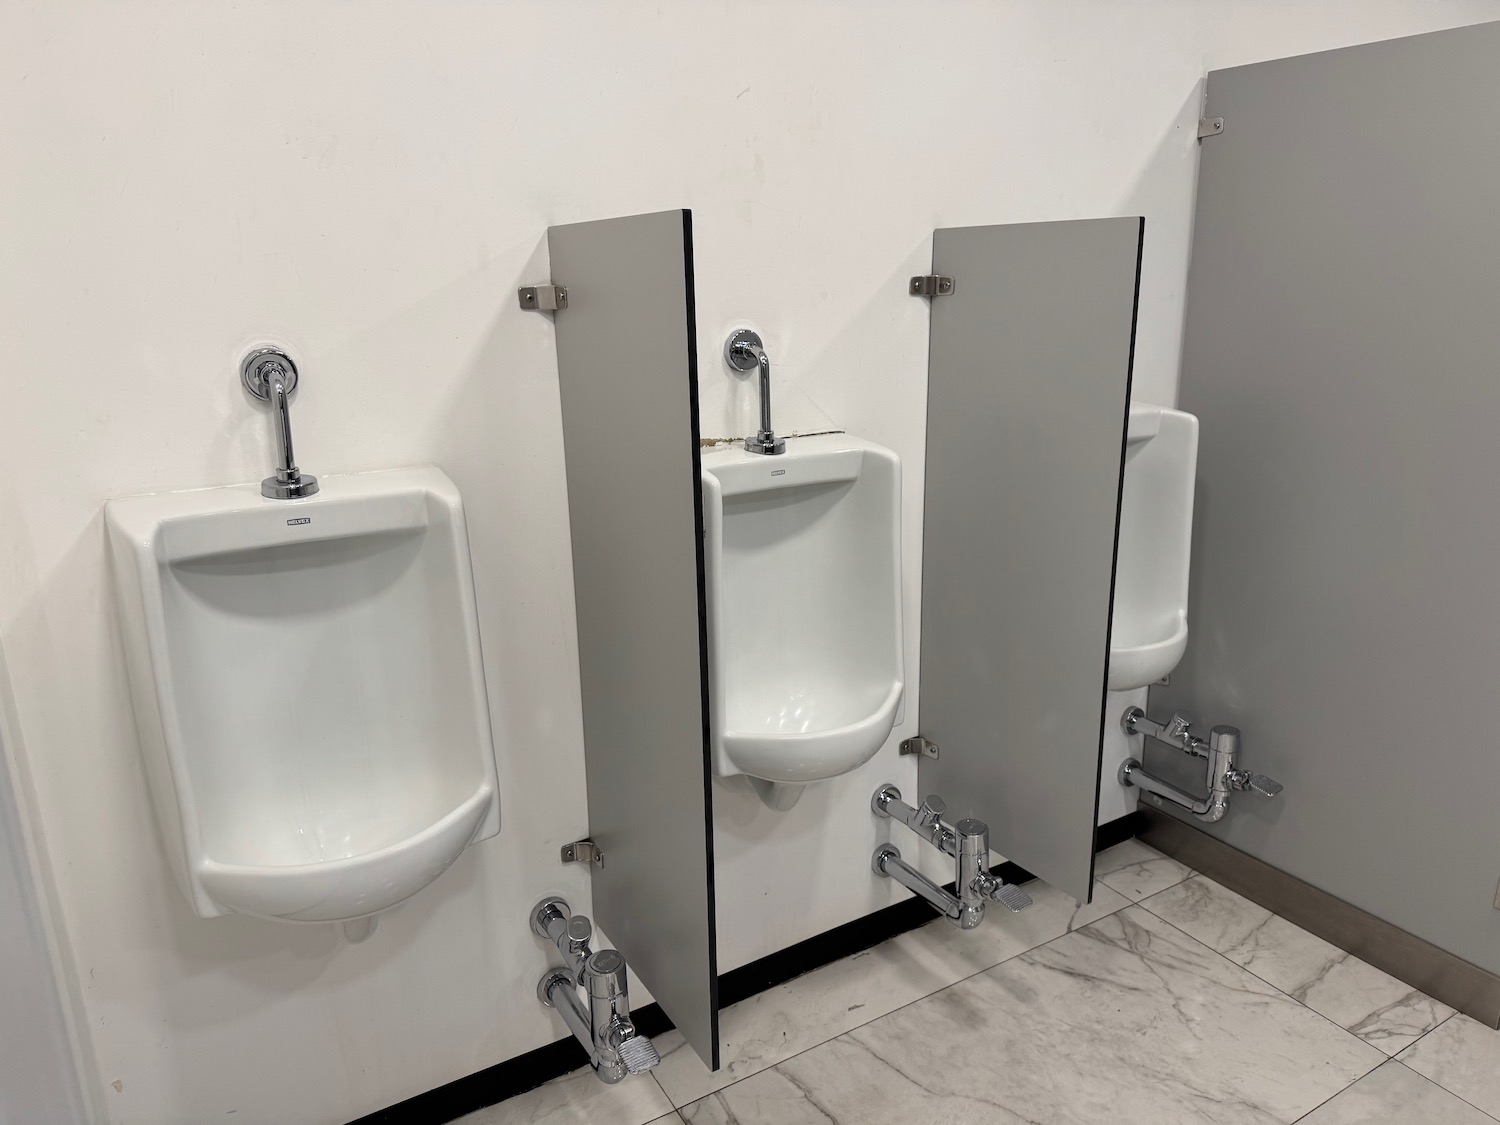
x=887 y=861
x=1133 y=773
x=744 y=351
x=604 y=1028
x=286 y=467
x=270 y=375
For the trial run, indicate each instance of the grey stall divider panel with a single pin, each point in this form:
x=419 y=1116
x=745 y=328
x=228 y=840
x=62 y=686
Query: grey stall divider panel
x=627 y=365
x=1028 y=390
x=1342 y=352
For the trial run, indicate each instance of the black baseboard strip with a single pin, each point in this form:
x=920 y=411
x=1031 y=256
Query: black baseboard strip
x=534 y=1068
x=1413 y=960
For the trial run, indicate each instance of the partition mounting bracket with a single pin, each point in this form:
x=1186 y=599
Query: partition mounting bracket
x=920 y=746
x=543 y=298
x=930 y=285
x=583 y=851
x=1210 y=127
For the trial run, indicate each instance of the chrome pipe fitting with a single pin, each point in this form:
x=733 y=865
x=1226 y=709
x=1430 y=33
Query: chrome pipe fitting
x=604 y=1027
x=968 y=842
x=1222 y=776
x=270 y=375
x=744 y=351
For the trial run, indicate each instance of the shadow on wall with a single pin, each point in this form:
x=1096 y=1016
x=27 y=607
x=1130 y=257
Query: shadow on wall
x=1164 y=190
x=38 y=1072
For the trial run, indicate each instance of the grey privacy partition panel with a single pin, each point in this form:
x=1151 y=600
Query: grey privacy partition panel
x=627 y=364
x=1028 y=390
x=1342 y=352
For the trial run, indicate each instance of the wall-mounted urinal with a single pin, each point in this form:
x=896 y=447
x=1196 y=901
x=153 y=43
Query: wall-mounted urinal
x=308 y=689
x=1149 y=633
x=804 y=609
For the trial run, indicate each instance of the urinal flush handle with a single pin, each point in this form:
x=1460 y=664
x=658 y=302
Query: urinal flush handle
x=1265 y=786
x=1255 y=782
x=1008 y=895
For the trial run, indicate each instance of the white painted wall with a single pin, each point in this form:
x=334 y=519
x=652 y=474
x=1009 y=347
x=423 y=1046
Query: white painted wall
x=39 y=1070
x=369 y=183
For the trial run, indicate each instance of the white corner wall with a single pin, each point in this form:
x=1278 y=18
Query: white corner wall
x=369 y=184
x=39 y=1067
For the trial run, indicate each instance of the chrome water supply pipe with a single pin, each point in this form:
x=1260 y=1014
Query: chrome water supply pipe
x=1222 y=774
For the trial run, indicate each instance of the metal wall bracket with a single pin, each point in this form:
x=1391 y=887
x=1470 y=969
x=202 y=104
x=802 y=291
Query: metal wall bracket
x=543 y=298
x=1210 y=126
x=930 y=285
x=919 y=745
x=582 y=851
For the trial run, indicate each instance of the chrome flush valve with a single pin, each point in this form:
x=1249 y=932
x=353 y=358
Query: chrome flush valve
x=967 y=841
x=1221 y=752
x=604 y=1027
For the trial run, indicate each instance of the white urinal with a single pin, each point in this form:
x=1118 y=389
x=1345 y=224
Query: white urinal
x=308 y=690
x=804 y=609
x=1150 y=631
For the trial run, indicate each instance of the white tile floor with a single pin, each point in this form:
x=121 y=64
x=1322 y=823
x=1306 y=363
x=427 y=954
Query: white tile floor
x=1169 y=999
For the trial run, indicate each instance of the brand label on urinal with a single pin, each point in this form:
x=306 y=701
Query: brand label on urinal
x=299 y=521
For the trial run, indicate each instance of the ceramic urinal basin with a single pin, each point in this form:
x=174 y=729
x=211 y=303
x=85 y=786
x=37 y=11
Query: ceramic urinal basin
x=804 y=609
x=308 y=690
x=1150 y=629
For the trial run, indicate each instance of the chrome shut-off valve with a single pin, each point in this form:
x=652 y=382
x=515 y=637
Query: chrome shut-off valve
x=967 y=841
x=1221 y=753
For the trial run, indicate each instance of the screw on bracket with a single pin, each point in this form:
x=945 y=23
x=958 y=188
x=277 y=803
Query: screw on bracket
x=582 y=851
x=930 y=285
x=920 y=745
x=543 y=298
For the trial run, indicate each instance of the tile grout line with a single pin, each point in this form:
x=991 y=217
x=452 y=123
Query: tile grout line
x=1403 y=1066
x=1452 y=1011
x=1275 y=987
x=1278 y=990
x=1423 y=1036
x=903 y=1007
x=1301 y=1003
x=1434 y=1081
x=1337 y=1093
x=664 y=1094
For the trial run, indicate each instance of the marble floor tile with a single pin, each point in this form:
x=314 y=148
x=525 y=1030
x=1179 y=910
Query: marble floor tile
x=1125 y=1020
x=761 y=1031
x=955 y=954
x=1377 y=1007
x=673 y=1118
x=580 y=1099
x=1394 y=1095
x=778 y=1023
x=1462 y=1056
x=1137 y=871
